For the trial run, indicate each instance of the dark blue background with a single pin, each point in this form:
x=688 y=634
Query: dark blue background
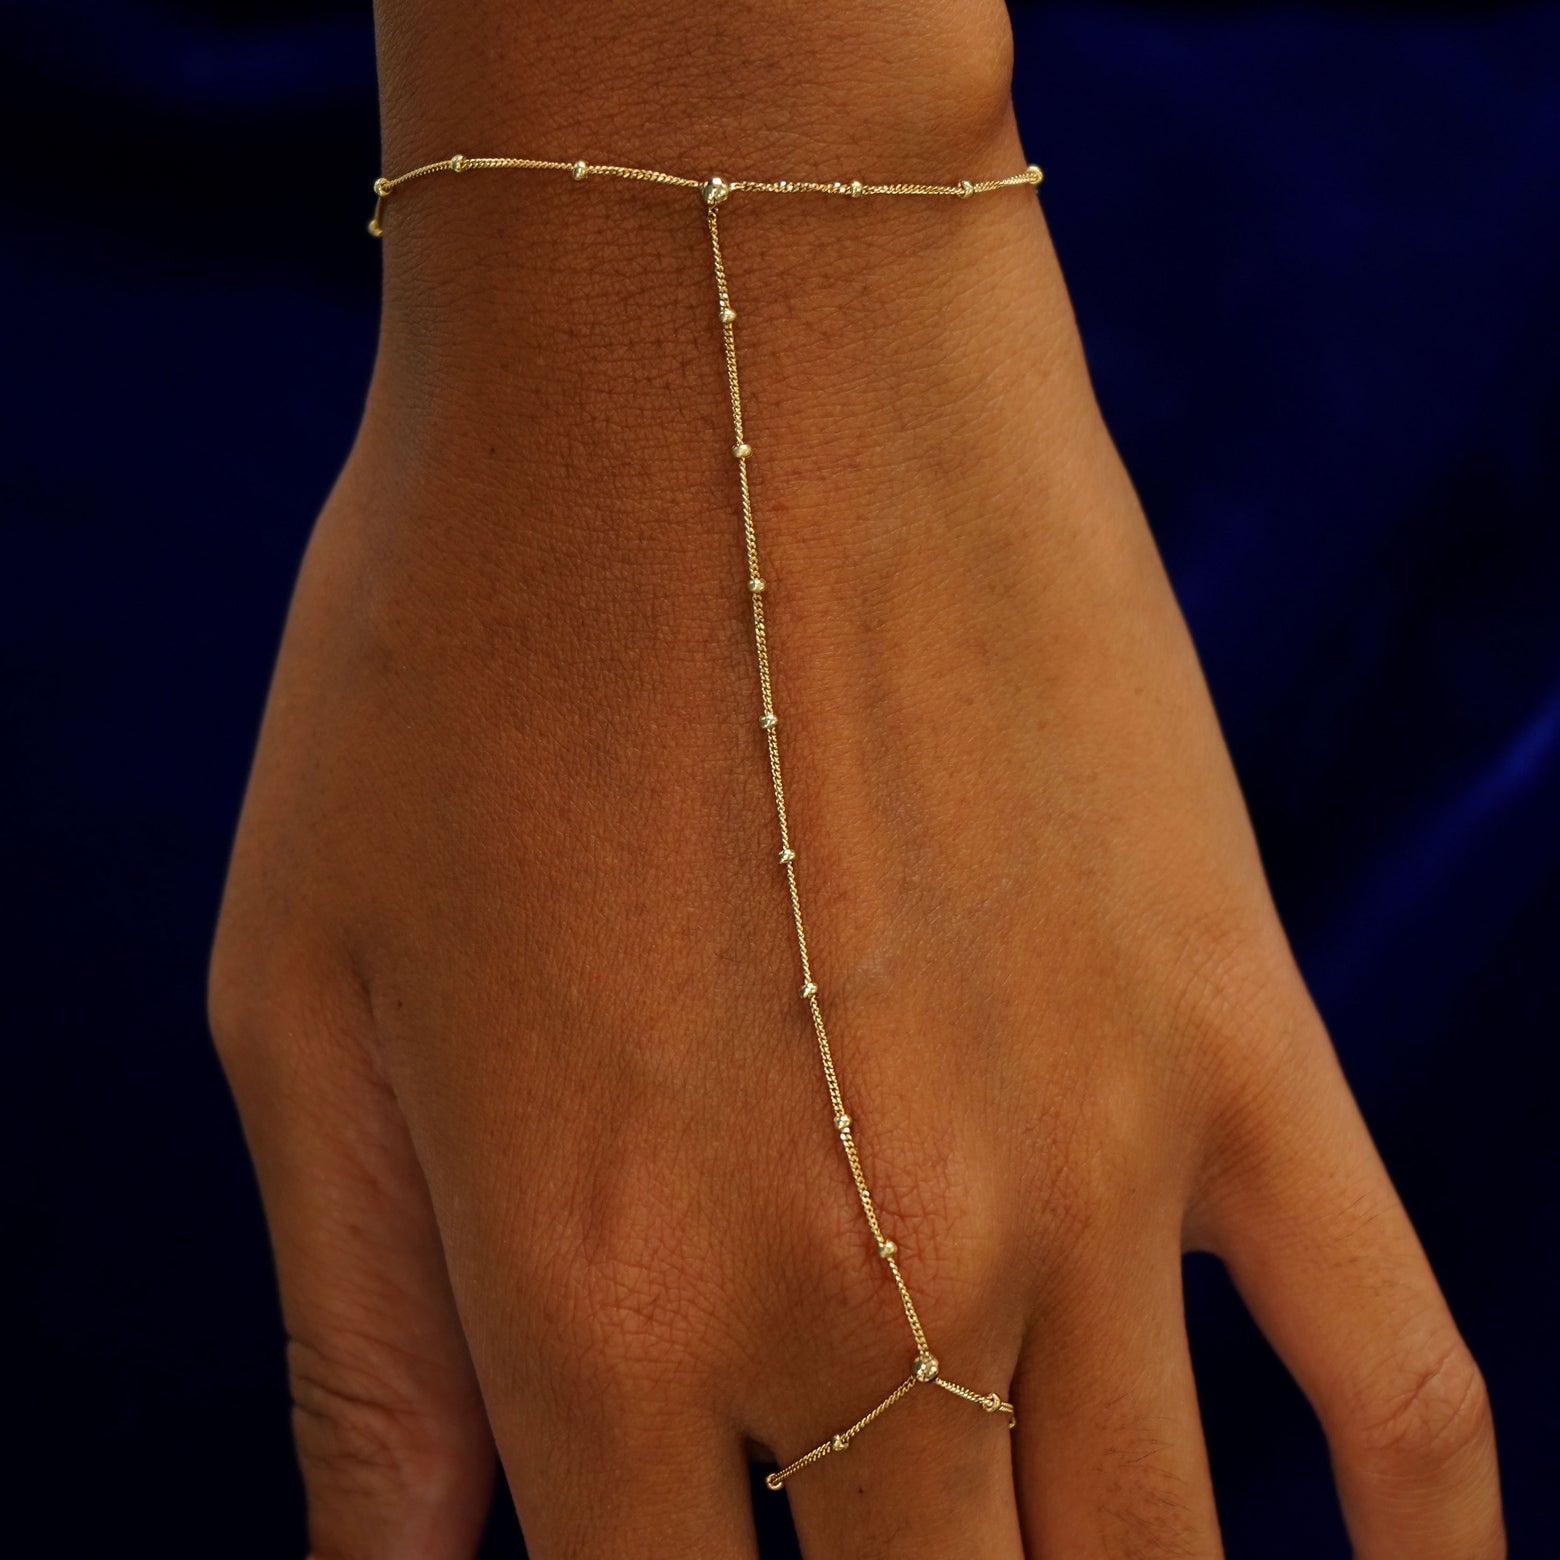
x=1315 y=254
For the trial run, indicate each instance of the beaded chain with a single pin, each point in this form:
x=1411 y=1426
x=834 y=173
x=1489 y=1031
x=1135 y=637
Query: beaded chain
x=713 y=193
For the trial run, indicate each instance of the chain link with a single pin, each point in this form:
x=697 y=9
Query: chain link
x=714 y=192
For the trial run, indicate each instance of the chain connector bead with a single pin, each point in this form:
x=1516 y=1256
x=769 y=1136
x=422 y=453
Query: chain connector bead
x=787 y=856
x=457 y=162
x=769 y=720
x=727 y=315
x=842 y=1123
x=810 y=989
x=925 y=1369
x=715 y=190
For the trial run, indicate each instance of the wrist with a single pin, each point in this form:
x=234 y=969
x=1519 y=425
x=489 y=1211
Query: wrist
x=548 y=431
x=504 y=286
x=897 y=353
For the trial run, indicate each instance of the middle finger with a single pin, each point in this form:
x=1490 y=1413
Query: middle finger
x=1109 y=1445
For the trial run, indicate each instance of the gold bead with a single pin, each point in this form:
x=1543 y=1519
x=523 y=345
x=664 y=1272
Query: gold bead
x=381 y=187
x=727 y=315
x=887 y=1248
x=755 y=585
x=580 y=169
x=842 y=1122
x=457 y=162
x=787 y=856
x=742 y=451
x=925 y=1369
x=991 y=1402
x=838 y=1444
x=857 y=187
x=769 y=720
x=810 y=989
x=715 y=190
x=965 y=188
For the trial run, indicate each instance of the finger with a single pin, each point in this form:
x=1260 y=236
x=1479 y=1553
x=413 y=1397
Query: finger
x=1316 y=1240
x=589 y=1296
x=1109 y=1445
x=639 y=1475
x=933 y=1477
x=617 y=1440
x=928 y=1478
x=392 y=1440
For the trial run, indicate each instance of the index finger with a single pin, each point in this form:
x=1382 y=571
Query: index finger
x=1307 y=1221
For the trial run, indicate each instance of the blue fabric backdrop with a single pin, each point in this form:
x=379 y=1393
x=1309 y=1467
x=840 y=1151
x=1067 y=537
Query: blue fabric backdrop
x=1315 y=254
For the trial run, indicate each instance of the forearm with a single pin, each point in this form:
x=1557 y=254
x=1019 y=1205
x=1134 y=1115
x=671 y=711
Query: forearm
x=688 y=81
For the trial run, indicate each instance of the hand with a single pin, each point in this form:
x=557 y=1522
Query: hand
x=505 y=980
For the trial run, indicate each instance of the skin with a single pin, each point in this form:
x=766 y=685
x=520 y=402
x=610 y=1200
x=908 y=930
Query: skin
x=504 y=979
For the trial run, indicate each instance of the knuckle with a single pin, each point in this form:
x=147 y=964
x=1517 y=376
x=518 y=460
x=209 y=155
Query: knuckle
x=229 y=1004
x=1233 y=988
x=628 y=1294
x=255 y=989
x=1425 y=1413
x=268 y=1003
x=359 y=1430
x=1246 y=1040
x=618 y=1313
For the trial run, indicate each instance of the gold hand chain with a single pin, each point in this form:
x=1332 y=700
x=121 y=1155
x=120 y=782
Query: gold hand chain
x=714 y=192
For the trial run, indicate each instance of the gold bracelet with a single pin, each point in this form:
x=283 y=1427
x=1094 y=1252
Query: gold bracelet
x=714 y=192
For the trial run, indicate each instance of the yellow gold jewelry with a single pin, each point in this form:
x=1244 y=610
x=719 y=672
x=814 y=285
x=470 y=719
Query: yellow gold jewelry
x=714 y=192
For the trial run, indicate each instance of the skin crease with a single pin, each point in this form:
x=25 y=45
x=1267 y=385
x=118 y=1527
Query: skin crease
x=505 y=982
